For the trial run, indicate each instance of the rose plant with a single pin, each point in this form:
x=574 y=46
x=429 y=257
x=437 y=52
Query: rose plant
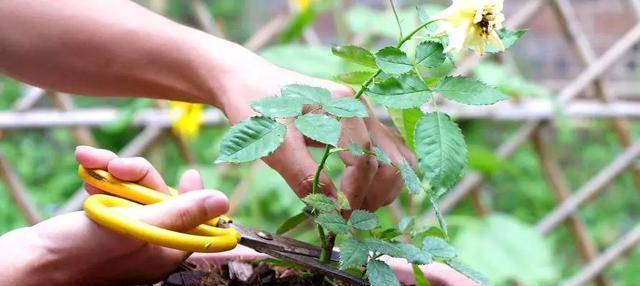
x=401 y=83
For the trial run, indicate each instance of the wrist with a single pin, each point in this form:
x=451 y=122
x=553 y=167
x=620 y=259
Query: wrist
x=25 y=260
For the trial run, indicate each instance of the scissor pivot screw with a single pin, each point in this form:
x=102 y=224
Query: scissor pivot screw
x=264 y=235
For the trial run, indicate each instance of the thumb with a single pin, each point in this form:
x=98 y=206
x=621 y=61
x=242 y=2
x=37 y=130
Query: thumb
x=184 y=212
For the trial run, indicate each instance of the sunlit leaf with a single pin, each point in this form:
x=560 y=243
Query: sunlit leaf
x=469 y=90
x=356 y=77
x=440 y=149
x=321 y=203
x=291 y=223
x=392 y=60
x=319 y=127
x=405 y=121
x=306 y=94
x=251 y=139
x=278 y=106
x=333 y=222
x=355 y=54
x=430 y=54
x=346 y=107
x=404 y=91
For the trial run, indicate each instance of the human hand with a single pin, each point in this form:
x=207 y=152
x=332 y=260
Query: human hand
x=72 y=250
x=366 y=183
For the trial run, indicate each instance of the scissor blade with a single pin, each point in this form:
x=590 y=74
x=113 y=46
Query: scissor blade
x=262 y=241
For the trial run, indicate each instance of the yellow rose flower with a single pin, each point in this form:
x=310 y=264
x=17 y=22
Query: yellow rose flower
x=471 y=24
x=187 y=118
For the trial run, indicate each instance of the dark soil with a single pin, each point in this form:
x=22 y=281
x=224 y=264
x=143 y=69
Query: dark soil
x=237 y=273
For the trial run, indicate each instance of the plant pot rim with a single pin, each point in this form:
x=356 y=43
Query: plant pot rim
x=438 y=274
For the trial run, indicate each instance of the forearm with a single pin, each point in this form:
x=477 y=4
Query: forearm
x=19 y=259
x=112 y=48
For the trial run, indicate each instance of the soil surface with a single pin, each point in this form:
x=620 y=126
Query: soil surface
x=237 y=273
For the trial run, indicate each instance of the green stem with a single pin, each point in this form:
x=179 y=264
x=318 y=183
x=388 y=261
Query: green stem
x=393 y=7
x=316 y=178
x=328 y=241
x=410 y=35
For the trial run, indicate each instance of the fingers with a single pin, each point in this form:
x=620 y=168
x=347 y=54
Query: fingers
x=138 y=170
x=94 y=158
x=294 y=163
x=190 y=181
x=185 y=212
x=360 y=170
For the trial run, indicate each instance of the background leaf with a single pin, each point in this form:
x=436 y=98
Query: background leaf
x=380 y=274
x=346 y=107
x=355 y=77
x=469 y=90
x=363 y=220
x=278 y=106
x=353 y=254
x=251 y=139
x=404 y=91
x=291 y=223
x=319 y=127
x=430 y=54
x=440 y=149
x=355 y=54
x=483 y=245
x=306 y=94
x=392 y=60
x=405 y=121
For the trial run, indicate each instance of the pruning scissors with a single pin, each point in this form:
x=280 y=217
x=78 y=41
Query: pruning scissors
x=217 y=235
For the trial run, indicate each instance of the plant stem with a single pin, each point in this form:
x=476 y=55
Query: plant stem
x=393 y=7
x=316 y=178
x=328 y=241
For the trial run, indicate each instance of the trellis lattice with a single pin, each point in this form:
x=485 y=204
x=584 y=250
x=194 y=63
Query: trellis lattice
x=535 y=116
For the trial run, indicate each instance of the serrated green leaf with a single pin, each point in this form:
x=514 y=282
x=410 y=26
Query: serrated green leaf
x=355 y=54
x=363 y=220
x=251 y=139
x=278 y=106
x=346 y=107
x=384 y=247
x=382 y=157
x=415 y=255
x=333 y=222
x=430 y=54
x=306 y=94
x=356 y=77
x=392 y=60
x=418 y=276
x=406 y=224
x=380 y=274
x=469 y=90
x=508 y=38
x=404 y=91
x=319 y=127
x=440 y=149
x=411 y=180
x=438 y=248
x=355 y=149
x=291 y=223
x=353 y=254
x=467 y=271
x=321 y=203
x=405 y=121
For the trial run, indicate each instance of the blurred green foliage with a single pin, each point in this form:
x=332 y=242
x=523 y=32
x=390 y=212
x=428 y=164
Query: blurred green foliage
x=516 y=188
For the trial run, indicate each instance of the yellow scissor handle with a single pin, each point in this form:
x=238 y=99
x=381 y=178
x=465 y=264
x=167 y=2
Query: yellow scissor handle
x=103 y=209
